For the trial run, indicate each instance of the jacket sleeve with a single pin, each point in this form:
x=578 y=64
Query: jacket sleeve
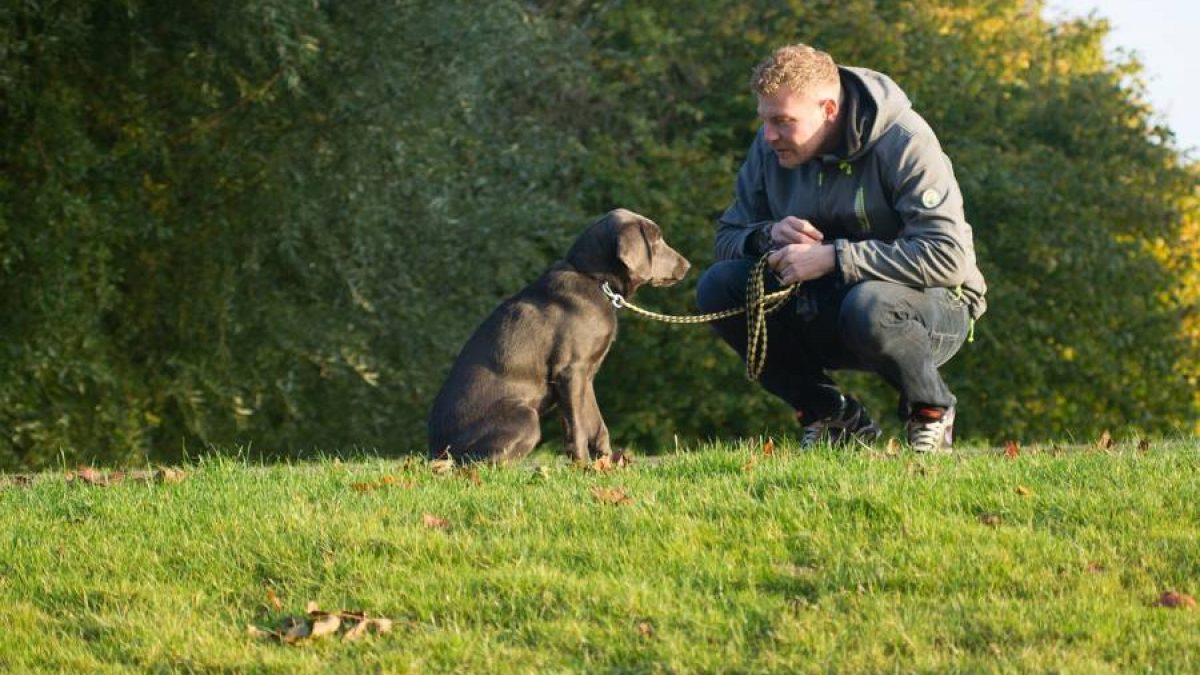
x=934 y=246
x=749 y=212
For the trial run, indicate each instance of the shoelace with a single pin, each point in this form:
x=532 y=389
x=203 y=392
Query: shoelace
x=927 y=436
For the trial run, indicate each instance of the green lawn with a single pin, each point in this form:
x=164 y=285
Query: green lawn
x=720 y=559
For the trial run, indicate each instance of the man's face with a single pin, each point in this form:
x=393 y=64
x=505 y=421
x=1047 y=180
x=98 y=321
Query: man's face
x=797 y=126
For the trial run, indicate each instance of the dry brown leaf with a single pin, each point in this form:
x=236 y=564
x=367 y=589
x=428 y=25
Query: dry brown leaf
x=602 y=464
x=1024 y=491
x=645 y=629
x=1105 y=442
x=88 y=475
x=356 y=631
x=442 y=465
x=166 y=474
x=768 y=447
x=1176 y=600
x=273 y=600
x=363 y=487
x=893 y=447
x=325 y=624
x=435 y=522
x=614 y=496
x=990 y=519
x=1011 y=449
x=260 y=634
x=1094 y=568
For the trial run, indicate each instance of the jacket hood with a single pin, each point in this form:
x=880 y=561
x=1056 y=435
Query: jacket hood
x=873 y=102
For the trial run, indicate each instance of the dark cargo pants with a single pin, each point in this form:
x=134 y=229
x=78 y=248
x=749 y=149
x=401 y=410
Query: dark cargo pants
x=904 y=334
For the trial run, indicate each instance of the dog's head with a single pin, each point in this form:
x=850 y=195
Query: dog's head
x=630 y=247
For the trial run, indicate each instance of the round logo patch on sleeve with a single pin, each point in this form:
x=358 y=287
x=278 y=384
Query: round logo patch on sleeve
x=931 y=198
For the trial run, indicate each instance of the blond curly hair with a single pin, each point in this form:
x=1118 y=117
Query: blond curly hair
x=797 y=67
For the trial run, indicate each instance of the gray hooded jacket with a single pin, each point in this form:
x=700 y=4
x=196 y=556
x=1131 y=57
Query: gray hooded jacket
x=887 y=198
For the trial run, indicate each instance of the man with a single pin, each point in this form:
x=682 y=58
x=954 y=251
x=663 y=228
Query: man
x=849 y=188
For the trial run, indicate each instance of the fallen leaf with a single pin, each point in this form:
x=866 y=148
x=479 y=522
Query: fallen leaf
x=613 y=496
x=768 y=447
x=363 y=487
x=442 y=465
x=1176 y=600
x=260 y=634
x=645 y=629
x=1024 y=491
x=1105 y=442
x=356 y=631
x=166 y=474
x=325 y=624
x=990 y=519
x=274 y=600
x=89 y=475
x=893 y=447
x=602 y=464
x=435 y=522
x=1011 y=449
x=1094 y=568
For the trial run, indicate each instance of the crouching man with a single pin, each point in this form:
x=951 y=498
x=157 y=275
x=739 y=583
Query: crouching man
x=849 y=189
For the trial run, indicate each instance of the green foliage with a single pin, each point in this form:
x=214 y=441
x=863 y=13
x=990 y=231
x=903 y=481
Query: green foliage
x=270 y=222
x=275 y=223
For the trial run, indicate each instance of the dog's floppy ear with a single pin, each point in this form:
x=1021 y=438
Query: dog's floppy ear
x=635 y=249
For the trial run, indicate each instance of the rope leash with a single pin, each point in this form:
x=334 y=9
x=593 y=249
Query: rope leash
x=759 y=305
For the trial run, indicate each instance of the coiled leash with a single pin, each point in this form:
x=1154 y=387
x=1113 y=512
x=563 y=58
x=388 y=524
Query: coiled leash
x=759 y=304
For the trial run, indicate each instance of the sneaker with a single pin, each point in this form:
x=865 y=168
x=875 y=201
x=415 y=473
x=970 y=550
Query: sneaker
x=848 y=424
x=931 y=429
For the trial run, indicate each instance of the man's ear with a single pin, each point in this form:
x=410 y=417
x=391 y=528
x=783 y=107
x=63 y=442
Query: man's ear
x=830 y=108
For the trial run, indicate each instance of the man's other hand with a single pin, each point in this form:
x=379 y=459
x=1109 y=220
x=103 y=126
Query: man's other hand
x=795 y=263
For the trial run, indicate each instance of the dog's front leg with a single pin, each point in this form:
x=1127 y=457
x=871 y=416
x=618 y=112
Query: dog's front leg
x=583 y=428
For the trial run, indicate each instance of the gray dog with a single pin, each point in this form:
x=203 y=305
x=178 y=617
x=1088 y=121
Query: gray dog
x=542 y=347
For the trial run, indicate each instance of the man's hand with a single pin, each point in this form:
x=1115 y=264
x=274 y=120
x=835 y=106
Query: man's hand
x=793 y=230
x=795 y=263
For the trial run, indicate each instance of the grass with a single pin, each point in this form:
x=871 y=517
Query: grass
x=721 y=560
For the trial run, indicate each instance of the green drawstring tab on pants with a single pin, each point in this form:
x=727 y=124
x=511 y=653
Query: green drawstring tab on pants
x=845 y=167
x=958 y=293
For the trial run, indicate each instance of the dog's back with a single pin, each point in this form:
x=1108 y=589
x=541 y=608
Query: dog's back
x=489 y=405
